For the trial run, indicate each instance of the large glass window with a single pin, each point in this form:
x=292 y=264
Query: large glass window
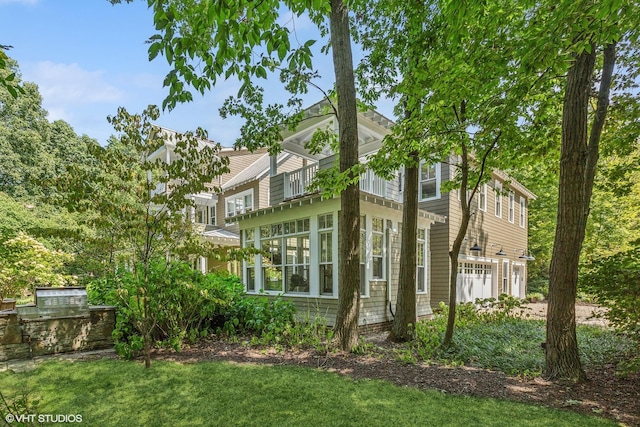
x=286 y=265
x=429 y=185
x=498 y=191
x=421 y=257
x=377 y=247
x=325 y=237
x=239 y=203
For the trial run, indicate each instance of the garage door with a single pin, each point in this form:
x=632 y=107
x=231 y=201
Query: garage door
x=474 y=281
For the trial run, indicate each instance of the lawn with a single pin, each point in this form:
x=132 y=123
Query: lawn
x=120 y=393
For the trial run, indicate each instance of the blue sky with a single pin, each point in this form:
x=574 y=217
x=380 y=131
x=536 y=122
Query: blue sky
x=89 y=57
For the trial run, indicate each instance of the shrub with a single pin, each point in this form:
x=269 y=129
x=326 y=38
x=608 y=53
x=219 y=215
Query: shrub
x=615 y=283
x=182 y=303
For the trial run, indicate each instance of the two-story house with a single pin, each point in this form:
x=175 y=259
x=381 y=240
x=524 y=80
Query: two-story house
x=298 y=229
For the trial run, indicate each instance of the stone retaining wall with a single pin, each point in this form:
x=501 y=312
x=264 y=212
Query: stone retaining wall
x=25 y=337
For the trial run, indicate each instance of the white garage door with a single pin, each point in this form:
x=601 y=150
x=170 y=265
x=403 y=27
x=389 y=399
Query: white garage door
x=474 y=281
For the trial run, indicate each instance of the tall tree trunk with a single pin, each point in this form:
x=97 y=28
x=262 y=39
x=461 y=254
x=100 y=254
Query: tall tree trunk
x=406 y=302
x=346 y=330
x=578 y=160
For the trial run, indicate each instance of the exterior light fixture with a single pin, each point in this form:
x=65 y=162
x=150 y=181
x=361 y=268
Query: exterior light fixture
x=475 y=248
x=501 y=253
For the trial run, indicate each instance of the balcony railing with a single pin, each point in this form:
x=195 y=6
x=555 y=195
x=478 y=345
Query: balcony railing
x=372 y=183
x=296 y=183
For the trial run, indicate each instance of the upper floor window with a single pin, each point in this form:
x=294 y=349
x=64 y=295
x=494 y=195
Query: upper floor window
x=523 y=207
x=512 y=206
x=205 y=215
x=239 y=203
x=482 y=197
x=429 y=185
x=498 y=190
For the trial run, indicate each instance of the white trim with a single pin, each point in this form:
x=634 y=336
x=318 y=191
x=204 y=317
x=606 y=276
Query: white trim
x=438 y=179
x=482 y=201
x=234 y=198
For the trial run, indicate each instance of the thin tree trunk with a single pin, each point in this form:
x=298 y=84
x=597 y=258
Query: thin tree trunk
x=578 y=160
x=349 y=224
x=406 y=302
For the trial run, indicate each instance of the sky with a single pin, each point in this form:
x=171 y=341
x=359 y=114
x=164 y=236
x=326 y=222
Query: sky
x=89 y=57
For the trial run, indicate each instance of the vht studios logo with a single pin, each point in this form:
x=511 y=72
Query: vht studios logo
x=43 y=418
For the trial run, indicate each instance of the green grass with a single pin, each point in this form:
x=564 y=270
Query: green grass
x=119 y=393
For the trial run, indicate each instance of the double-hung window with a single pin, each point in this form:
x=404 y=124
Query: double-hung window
x=250 y=268
x=512 y=206
x=429 y=185
x=498 y=193
x=239 y=203
x=377 y=247
x=523 y=210
x=325 y=237
x=421 y=258
x=482 y=197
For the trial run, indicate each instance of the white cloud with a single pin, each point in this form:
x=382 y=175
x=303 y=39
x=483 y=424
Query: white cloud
x=69 y=83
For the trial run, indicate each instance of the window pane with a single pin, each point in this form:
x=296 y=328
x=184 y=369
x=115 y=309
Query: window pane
x=376 y=244
x=326 y=279
x=296 y=279
x=377 y=267
x=251 y=279
x=420 y=279
x=272 y=278
x=428 y=189
x=378 y=224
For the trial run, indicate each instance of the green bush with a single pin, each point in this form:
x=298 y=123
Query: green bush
x=185 y=304
x=182 y=303
x=614 y=281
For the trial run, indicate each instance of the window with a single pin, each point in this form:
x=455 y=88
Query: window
x=205 y=214
x=325 y=236
x=498 y=191
x=429 y=186
x=523 y=207
x=286 y=265
x=363 y=255
x=421 y=261
x=239 y=203
x=482 y=197
x=512 y=206
x=250 y=269
x=377 y=247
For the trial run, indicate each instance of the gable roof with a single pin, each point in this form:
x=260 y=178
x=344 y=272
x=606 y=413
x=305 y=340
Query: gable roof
x=255 y=171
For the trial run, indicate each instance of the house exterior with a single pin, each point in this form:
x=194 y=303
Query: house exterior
x=299 y=231
x=494 y=254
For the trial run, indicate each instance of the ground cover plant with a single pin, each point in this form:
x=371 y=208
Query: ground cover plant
x=116 y=392
x=499 y=336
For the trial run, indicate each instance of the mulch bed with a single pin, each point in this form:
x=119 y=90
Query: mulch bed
x=604 y=394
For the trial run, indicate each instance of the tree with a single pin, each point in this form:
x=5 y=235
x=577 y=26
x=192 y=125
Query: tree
x=7 y=74
x=461 y=95
x=604 y=26
x=141 y=200
x=247 y=41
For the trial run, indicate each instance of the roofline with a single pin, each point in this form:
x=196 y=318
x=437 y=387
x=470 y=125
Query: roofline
x=317 y=198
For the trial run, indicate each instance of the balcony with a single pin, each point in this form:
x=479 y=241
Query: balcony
x=291 y=185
